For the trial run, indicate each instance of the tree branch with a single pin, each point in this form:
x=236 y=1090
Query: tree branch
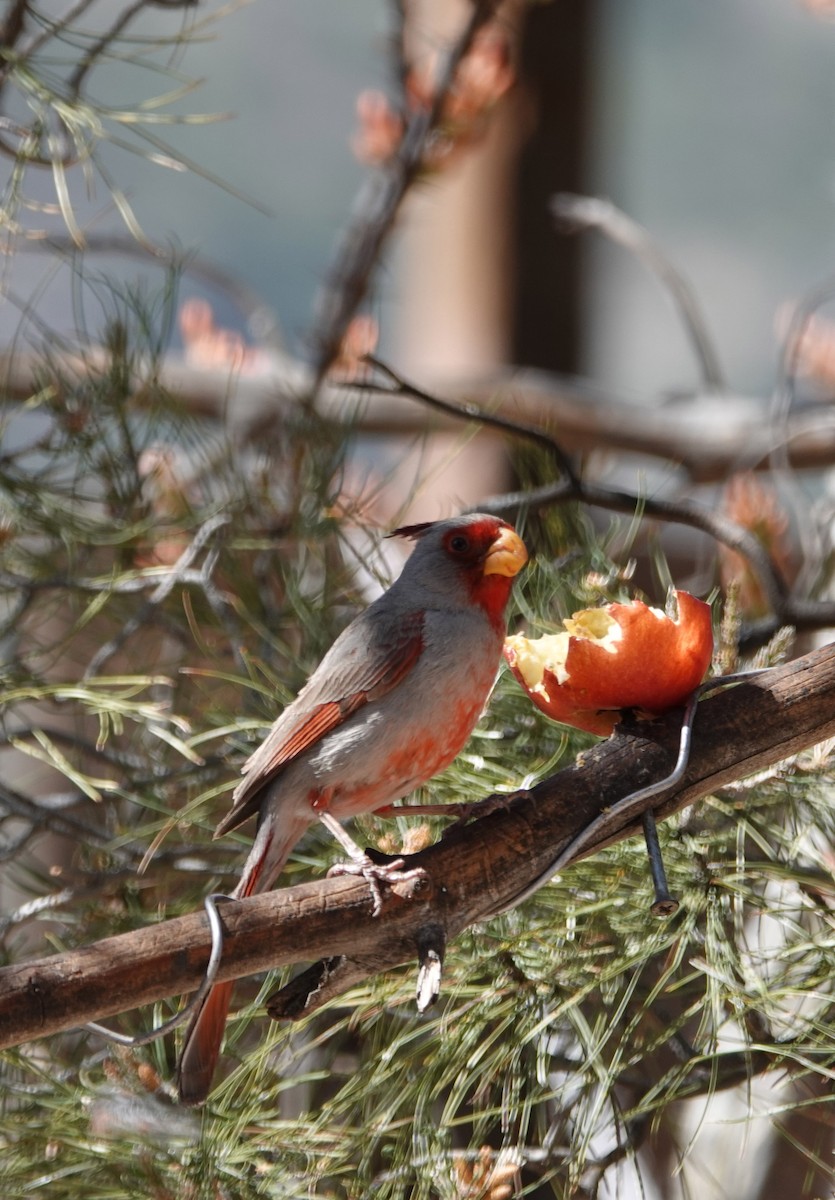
x=706 y=436
x=572 y=487
x=573 y=213
x=475 y=870
x=785 y=609
x=378 y=203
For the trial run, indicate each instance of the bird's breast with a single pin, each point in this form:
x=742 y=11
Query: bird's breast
x=390 y=747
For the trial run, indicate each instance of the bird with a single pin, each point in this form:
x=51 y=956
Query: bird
x=390 y=705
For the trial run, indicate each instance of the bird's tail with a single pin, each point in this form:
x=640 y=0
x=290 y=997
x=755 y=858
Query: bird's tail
x=201 y=1045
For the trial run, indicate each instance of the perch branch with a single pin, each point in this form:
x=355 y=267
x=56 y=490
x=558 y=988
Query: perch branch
x=472 y=872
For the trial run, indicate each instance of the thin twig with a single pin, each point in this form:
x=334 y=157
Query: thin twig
x=53 y=29
x=161 y=592
x=93 y=55
x=589 y=212
x=399 y=61
x=128 y=586
x=472 y=412
x=785 y=390
x=12 y=27
x=261 y=320
x=676 y=511
x=377 y=206
x=784 y=400
x=41 y=818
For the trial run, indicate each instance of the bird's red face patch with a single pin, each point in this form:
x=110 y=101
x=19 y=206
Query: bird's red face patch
x=490 y=554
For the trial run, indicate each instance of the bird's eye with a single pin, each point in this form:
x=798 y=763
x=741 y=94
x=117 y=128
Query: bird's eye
x=459 y=544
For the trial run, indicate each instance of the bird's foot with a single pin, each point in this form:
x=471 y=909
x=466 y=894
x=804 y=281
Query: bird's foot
x=375 y=873
x=361 y=863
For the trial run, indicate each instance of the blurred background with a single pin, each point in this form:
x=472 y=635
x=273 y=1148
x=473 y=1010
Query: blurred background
x=710 y=124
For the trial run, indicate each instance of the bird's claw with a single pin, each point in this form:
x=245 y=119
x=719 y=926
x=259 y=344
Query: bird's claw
x=376 y=873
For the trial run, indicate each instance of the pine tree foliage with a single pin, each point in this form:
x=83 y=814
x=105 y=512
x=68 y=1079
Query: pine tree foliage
x=568 y=1029
x=63 y=115
x=165 y=589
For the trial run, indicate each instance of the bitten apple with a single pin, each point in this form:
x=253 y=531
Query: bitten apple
x=615 y=657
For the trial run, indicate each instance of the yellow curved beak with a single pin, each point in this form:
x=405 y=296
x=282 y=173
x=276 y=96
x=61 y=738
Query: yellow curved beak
x=507 y=555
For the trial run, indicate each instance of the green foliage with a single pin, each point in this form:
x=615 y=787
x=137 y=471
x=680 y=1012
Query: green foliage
x=568 y=1030
x=68 y=83
x=165 y=590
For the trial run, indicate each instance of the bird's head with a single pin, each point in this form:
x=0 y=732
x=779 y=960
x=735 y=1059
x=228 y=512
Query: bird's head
x=465 y=560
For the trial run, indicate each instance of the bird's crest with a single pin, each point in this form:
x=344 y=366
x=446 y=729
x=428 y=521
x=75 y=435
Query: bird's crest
x=412 y=531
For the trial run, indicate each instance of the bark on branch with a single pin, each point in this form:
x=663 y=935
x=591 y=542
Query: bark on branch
x=475 y=870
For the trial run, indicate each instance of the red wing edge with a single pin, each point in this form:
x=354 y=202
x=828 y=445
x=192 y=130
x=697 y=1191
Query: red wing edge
x=310 y=729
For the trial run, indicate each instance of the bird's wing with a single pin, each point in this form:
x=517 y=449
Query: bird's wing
x=371 y=657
